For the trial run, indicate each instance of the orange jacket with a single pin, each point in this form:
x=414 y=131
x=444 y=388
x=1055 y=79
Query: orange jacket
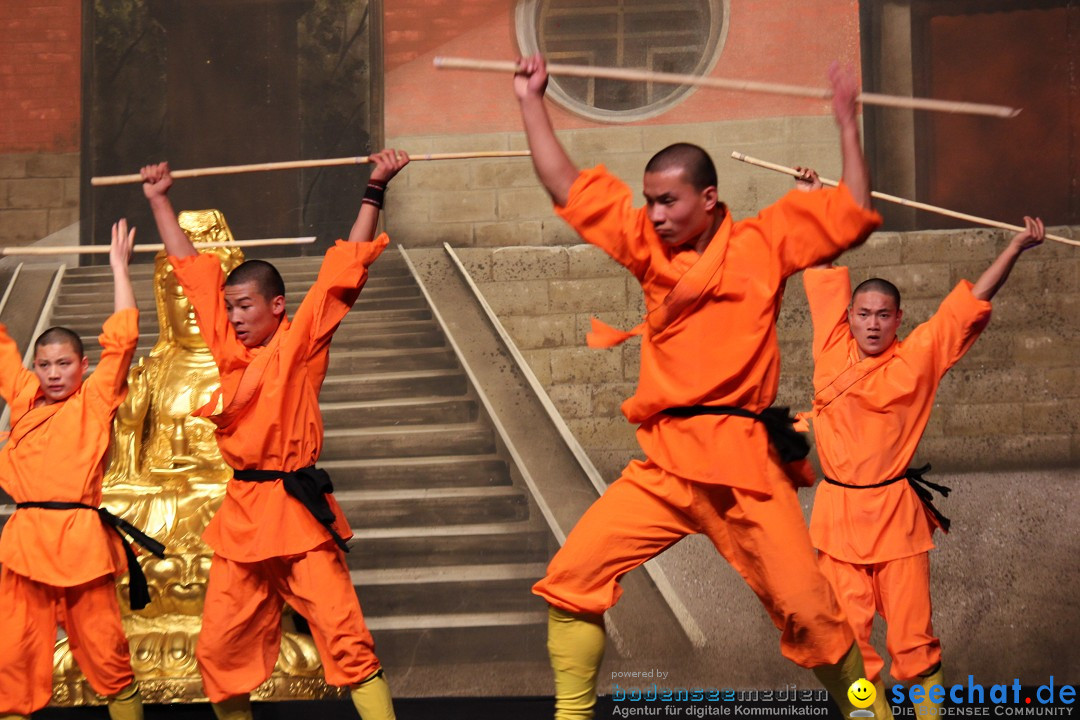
x=281 y=427
x=722 y=350
x=869 y=432
x=56 y=454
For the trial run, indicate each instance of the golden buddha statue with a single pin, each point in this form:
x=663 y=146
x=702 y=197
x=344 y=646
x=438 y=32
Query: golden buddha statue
x=167 y=477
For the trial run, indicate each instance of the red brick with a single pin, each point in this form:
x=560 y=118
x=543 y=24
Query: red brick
x=40 y=75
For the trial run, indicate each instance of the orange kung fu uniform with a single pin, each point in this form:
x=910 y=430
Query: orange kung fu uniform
x=59 y=565
x=268 y=548
x=711 y=474
x=869 y=416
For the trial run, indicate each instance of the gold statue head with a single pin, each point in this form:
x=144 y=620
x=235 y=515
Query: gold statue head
x=176 y=316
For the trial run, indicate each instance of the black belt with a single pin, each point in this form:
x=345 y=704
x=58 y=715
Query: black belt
x=920 y=485
x=309 y=485
x=790 y=444
x=138 y=592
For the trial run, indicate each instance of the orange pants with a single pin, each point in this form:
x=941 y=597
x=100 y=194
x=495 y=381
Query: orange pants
x=29 y=613
x=648 y=510
x=899 y=590
x=241 y=629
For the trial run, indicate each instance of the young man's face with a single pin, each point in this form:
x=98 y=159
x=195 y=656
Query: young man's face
x=254 y=318
x=874 y=320
x=680 y=213
x=59 y=370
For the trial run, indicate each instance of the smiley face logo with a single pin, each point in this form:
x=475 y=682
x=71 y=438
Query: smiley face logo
x=862 y=693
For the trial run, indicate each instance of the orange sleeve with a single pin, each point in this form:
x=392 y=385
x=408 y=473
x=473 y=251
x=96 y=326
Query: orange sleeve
x=13 y=376
x=807 y=228
x=343 y=273
x=118 y=339
x=953 y=329
x=202 y=280
x=600 y=208
x=828 y=291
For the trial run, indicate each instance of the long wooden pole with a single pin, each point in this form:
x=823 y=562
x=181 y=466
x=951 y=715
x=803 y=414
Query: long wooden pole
x=300 y=164
x=635 y=75
x=903 y=201
x=104 y=249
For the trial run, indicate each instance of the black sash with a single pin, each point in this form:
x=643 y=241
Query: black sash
x=138 y=592
x=790 y=444
x=308 y=485
x=920 y=485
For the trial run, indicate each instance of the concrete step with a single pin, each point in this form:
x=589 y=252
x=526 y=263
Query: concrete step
x=438 y=545
x=410 y=303
x=439 y=471
x=391 y=337
x=481 y=637
x=381 y=386
x=449 y=589
x=426 y=507
x=419 y=441
x=393 y=413
x=352 y=361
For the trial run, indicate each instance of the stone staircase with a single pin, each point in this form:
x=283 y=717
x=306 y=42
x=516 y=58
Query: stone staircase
x=448 y=540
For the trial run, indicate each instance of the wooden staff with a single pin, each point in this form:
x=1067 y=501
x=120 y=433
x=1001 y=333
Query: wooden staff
x=104 y=249
x=635 y=75
x=300 y=164
x=903 y=201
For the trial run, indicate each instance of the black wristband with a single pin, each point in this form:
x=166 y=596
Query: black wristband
x=374 y=194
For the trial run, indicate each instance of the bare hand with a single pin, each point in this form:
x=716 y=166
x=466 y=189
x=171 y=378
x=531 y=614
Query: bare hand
x=156 y=180
x=123 y=240
x=531 y=78
x=1033 y=235
x=845 y=91
x=387 y=164
x=808 y=179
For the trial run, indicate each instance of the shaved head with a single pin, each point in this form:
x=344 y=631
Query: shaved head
x=265 y=276
x=60 y=336
x=878 y=285
x=697 y=166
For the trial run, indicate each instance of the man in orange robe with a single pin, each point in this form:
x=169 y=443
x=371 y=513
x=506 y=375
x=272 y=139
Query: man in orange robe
x=709 y=372
x=279 y=535
x=873 y=516
x=58 y=557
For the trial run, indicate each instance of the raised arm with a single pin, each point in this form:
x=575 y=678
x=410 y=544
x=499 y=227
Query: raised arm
x=553 y=166
x=119 y=259
x=156 y=184
x=828 y=292
x=120 y=333
x=995 y=276
x=387 y=165
x=856 y=174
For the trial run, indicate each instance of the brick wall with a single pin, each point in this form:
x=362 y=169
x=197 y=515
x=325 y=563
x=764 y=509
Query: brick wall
x=1012 y=402
x=767 y=40
x=40 y=55
x=495 y=203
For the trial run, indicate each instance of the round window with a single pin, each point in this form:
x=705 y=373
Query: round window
x=677 y=36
